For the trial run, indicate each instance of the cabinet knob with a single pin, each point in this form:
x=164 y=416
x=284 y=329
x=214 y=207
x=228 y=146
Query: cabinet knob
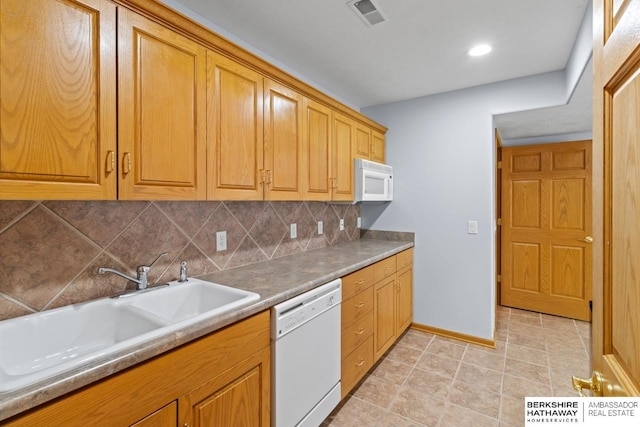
x=360 y=332
x=360 y=305
x=111 y=161
x=360 y=363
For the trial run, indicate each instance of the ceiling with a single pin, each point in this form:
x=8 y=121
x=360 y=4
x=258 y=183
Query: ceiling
x=420 y=50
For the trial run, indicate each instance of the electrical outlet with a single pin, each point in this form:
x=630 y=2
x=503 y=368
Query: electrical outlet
x=341 y=224
x=320 y=227
x=472 y=227
x=221 y=241
x=359 y=223
x=294 y=230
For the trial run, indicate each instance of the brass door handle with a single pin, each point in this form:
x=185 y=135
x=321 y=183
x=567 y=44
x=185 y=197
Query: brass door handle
x=127 y=163
x=360 y=363
x=594 y=384
x=588 y=239
x=360 y=305
x=360 y=332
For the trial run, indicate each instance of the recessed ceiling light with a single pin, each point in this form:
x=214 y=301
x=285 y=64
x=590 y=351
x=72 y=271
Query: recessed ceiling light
x=481 y=49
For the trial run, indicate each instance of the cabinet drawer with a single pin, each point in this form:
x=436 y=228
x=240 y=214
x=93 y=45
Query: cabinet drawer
x=356 y=365
x=404 y=259
x=357 y=307
x=384 y=268
x=356 y=282
x=356 y=333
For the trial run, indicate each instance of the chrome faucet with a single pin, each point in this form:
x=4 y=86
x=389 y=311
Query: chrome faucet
x=143 y=273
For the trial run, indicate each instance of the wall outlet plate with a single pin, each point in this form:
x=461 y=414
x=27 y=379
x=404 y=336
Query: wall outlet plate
x=472 y=227
x=221 y=241
x=341 y=224
x=359 y=223
x=294 y=230
x=320 y=227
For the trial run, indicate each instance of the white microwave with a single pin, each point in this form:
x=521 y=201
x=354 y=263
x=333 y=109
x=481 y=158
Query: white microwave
x=373 y=181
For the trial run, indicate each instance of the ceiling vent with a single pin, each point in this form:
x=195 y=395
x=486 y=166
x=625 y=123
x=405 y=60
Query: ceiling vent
x=368 y=11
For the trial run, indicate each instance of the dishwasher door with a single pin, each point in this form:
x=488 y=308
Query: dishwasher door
x=306 y=357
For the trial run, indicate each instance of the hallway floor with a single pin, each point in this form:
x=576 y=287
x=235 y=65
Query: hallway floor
x=427 y=380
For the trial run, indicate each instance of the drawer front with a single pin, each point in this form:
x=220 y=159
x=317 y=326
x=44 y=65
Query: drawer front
x=355 y=308
x=356 y=333
x=384 y=268
x=356 y=282
x=356 y=365
x=404 y=259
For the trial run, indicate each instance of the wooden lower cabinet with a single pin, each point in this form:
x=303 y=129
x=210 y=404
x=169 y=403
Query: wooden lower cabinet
x=222 y=379
x=377 y=307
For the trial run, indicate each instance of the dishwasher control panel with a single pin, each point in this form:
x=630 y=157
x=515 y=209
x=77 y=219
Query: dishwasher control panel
x=294 y=312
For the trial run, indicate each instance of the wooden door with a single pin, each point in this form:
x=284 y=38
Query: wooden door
x=547 y=226
x=616 y=133
x=384 y=315
x=317 y=151
x=342 y=157
x=234 y=130
x=362 y=144
x=239 y=396
x=161 y=112
x=404 y=299
x=57 y=99
x=377 y=146
x=282 y=142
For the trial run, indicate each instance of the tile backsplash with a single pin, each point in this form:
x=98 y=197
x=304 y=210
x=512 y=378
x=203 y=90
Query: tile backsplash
x=50 y=251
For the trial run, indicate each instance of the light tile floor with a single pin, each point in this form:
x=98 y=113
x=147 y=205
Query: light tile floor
x=427 y=380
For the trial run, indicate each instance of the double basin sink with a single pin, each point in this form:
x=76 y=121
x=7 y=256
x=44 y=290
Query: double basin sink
x=41 y=345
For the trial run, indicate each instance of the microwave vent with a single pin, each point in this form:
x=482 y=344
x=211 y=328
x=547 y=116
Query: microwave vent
x=377 y=166
x=368 y=11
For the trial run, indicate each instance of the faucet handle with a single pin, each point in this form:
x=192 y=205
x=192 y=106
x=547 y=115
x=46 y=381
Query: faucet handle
x=156 y=260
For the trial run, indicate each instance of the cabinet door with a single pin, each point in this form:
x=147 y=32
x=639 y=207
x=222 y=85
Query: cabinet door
x=57 y=99
x=404 y=300
x=161 y=112
x=384 y=315
x=239 y=396
x=317 y=151
x=234 y=127
x=377 y=147
x=282 y=142
x=166 y=416
x=342 y=157
x=362 y=146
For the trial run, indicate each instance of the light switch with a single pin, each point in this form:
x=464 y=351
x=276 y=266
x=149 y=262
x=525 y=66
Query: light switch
x=320 y=227
x=294 y=230
x=472 y=227
x=341 y=224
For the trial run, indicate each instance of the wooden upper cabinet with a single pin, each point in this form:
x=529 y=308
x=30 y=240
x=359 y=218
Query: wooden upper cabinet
x=161 y=112
x=317 y=150
x=377 y=147
x=362 y=143
x=234 y=128
x=57 y=99
x=342 y=158
x=283 y=150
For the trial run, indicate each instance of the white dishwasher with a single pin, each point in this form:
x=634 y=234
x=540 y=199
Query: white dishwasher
x=305 y=349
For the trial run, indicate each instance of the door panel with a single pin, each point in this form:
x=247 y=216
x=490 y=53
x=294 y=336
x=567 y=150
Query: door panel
x=341 y=148
x=546 y=264
x=234 y=127
x=57 y=99
x=282 y=142
x=162 y=112
x=317 y=149
x=616 y=190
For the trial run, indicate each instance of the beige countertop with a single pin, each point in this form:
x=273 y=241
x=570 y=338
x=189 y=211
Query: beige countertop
x=275 y=280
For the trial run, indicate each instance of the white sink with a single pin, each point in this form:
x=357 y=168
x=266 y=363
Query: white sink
x=179 y=302
x=40 y=345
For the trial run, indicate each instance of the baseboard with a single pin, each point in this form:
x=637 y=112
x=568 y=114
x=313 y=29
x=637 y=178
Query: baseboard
x=455 y=335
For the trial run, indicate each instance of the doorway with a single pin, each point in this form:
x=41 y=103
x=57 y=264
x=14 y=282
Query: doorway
x=546 y=226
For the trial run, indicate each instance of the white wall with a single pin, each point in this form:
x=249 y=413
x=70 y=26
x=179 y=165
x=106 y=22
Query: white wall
x=442 y=149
